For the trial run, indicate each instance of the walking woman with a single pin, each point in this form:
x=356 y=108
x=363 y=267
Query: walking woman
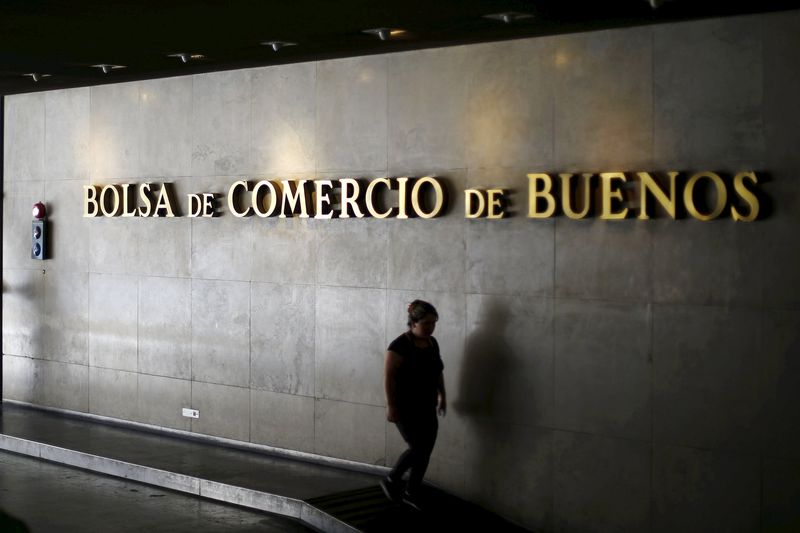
x=414 y=386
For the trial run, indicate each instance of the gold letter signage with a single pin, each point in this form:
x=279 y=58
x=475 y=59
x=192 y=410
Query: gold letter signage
x=607 y=195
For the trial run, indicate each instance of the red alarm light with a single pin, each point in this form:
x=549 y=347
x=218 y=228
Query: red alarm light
x=39 y=211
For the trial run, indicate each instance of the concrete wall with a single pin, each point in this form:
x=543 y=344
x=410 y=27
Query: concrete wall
x=602 y=375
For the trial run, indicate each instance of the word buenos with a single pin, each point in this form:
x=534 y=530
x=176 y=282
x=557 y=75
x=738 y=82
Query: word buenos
x=320 y=199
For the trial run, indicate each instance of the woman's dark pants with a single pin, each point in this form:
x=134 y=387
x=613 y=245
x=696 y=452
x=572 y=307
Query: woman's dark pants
x=419 y=432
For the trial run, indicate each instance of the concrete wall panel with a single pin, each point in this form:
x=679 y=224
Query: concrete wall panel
x=221 y=339
x=708 y=105
x=349 y=350
x=113 y=322
x=601 y=484
x=511 y=104
x=285 y=250
x=224 y=410
x=352 y=253
x=781 y=492
x=604 y=102
x=282 y=420
x=283 y=138
x=67 y=134
x=350 y=431
x=605 y=260
x=603 y=368
x=161 y=399
x=65 y=327
x=166 y=119
x=706 y=377
x=24 y=136
x=699 y=490
x=352 y=114
x=63 y=385
x=282 y=338
x=516 y=469
x=426 y=255
x=115 y=126
x=427 y=116
x=507 y=370
x=220 y=123
x=23 y=304
x=779 y=359
x=165 y=327
x=113 y=393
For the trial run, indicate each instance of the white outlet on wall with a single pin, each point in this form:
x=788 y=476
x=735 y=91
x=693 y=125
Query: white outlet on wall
x=191 y=413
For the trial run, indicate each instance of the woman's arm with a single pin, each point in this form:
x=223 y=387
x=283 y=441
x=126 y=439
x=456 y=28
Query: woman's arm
x=390 y=367
x=442 y=395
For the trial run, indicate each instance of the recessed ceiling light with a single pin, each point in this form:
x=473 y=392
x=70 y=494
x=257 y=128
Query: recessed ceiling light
x=107 y=68
x=277 y=45
x=508 y=16
x=185 y=57
x=384 y=34
x=36 y=76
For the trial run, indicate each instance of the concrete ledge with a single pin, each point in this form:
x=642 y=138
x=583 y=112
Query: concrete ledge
x=253 y=499
x=219 y=441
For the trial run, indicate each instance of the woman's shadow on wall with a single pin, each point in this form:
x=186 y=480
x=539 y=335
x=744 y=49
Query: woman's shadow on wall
x=485 y=396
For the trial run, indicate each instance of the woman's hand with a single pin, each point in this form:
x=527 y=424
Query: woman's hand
x=391 y=414
x=442 y=409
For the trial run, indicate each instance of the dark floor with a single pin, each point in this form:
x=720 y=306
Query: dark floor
x=56 y=498
x=49 y=497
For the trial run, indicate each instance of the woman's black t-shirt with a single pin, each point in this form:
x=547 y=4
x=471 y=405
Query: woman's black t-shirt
x=417 y=378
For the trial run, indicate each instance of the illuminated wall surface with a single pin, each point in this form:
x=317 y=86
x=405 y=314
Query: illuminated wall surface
x=602 y=375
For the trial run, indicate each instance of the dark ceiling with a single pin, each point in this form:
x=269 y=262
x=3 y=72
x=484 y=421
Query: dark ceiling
x=63 y=38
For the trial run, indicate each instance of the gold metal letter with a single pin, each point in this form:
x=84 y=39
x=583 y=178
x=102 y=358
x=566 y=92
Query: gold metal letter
x=233 y=202
x=534 y=194
x=349 y=197
x=322 y=200
x=688 y=196
x=647 y=183
x=114 y=201
x=164 y=202
x=194 y=205
x=144 y=195
x=415 y=197
x=608 y=193
x=127 y=202
x=208 y=205
x=566 y=196
x=469 y=212
x=291 y=198
x=90 y=205
x=746 y=195
x=371 y=209
x=258 y=201
x=401 y=197
x=494 y=201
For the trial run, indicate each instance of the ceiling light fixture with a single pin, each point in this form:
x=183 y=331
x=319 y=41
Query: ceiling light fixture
x=509 y=16
x=277 y=45
x=384 y=34
x=185 y=58
x=107 y=68
x=36 y=76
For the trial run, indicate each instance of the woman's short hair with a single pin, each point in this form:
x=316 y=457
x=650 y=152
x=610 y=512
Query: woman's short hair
x=419 y=309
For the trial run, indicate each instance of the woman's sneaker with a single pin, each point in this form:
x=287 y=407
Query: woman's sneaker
x=413 y=500
x=390 y=488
